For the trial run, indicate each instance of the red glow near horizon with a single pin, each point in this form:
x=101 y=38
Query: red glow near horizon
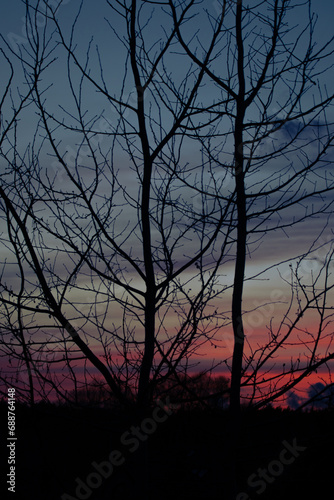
x=208 y=357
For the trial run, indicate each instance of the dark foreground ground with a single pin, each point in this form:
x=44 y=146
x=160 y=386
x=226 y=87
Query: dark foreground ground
x=280 y=455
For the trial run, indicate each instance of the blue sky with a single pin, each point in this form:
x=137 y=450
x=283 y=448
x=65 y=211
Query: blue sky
x=92 y=23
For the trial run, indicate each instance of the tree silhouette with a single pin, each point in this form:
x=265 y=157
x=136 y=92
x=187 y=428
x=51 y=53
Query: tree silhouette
x=137 y=167
x=280 y=135
x=97 y=212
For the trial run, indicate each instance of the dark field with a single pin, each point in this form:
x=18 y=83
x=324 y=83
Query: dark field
x=281 y=454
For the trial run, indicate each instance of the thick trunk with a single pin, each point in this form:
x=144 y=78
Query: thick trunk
x=144 y=395
x=147 y=361
x=239 y=274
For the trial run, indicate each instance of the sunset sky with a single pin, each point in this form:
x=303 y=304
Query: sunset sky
x=275 y=256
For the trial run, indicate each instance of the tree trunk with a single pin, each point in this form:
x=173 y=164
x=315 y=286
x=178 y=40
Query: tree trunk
x=239 y=272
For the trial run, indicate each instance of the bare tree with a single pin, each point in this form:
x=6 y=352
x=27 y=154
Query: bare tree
x=101 y=228
x=272 y=130
x=263 y=142
x=126 y=194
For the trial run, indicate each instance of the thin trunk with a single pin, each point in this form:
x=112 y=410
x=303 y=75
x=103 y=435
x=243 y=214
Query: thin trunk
x=147 y=361
x=143 y=401
x=26 y=357
x=55 y=308
x=239 y=272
